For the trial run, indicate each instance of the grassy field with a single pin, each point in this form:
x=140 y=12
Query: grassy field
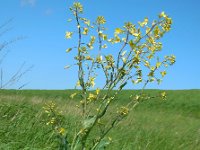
x=173 y=124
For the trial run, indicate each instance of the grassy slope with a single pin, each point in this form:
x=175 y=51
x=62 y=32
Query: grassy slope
x=155 y=125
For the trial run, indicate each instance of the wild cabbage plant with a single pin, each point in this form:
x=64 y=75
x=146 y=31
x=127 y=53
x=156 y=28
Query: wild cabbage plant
x=136 y=60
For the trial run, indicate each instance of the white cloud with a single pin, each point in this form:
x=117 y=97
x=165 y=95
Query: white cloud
x=28 y=2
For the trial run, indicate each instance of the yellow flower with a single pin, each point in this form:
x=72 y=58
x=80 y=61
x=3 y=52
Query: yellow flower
x=52 y=121
x=158 y=64
x=61 y=131
x=124 y=111
x=147 y=64
x=142 y=24
x=101 y=20
x=85 y=31
x=117 y=39
x=88 y=58
x=99 y=59
x=163 y=73
x=162 y=14
x=123 y=53
x=109 y=138
x=87 y=22
x=151 y=74
x=124 y=39
x=92 y=97
x=136 y=60
x=172 y=59
x=163 y=95
x=92 y=39
x=118 y=31
x=148 y=30
x=104 y=46
x=78 y=7
x=132 y=45
x=112 y=40
x=103 y=36
x=73 y=95
x=97 y=91
x=137 y=97
x=139 y=79
x=78 y=83
x=136 y=34
x=150 y=56
x=124 y=59
x=68 y=35
x=90 y=46
x=52 y=105
x=92 y=81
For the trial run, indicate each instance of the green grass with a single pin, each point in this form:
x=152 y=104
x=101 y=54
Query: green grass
x=154 y=125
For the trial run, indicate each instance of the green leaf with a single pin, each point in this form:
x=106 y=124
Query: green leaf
x=89 y=122
x=68 y=50
x=69 y=20
x=122 y=86
x=103 y=144
x=132 y=45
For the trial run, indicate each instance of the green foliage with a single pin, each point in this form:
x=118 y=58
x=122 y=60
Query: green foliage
x=169 y=125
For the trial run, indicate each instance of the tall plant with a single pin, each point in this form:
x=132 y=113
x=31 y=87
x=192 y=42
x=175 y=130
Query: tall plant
x=135 y=60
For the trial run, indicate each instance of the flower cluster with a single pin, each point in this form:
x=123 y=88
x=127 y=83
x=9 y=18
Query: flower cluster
x=55 y=118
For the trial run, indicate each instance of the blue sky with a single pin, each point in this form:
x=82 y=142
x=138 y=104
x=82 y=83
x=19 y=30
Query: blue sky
x=44 y=23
